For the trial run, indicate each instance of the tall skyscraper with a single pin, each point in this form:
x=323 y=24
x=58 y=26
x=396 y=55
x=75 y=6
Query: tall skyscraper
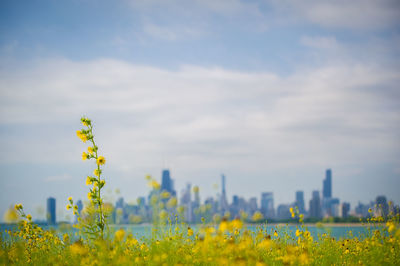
x=327 y=185
x=51 y=211
x=167 y=183
x=315 y=205
x=267 y=204
x=224 y=201
x=300 y=201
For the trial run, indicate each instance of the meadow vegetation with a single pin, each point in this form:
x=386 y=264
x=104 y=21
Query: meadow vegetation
x=222 y=242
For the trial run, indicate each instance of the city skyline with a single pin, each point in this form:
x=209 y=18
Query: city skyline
x=321 y=203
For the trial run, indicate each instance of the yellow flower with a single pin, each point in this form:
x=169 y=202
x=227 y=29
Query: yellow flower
x=257 y=216
x=90 y=150
x=82 y=136
x=195 y=189
x=68 y=207
x=172 y=202
x=101 y=160
x=155 y=185
x=88 y=181
x=69 y=198
x=97 y=172
x=29 y=217
x=89 y=195
x=165 y=195
x=84 y=156
x=190 y=231
x=119 y=235
x=298 y=232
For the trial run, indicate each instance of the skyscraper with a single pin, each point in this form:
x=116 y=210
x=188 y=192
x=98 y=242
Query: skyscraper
x=224 y=202
x=327 y=185
x=51 y=211
x=300 y=201
x=315 y=205
x=167 y=183
x=267 y=204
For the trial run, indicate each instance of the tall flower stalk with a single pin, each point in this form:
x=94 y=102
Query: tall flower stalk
x=96 y=181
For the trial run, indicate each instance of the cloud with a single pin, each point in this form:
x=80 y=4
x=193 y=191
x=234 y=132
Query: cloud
x=358 y=14
x=204 y=117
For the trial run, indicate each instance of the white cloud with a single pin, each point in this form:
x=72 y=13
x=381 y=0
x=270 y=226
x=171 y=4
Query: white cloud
x=356 y=14
x=210 y=116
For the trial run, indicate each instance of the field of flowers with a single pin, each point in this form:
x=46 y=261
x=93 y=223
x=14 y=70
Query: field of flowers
x=227 y=242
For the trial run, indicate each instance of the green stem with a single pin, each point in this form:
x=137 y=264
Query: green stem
x=99 y=186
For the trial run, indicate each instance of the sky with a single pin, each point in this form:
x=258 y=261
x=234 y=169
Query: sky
x=270 y=93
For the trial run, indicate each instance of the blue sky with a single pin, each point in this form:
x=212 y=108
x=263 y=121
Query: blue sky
x=271 y=93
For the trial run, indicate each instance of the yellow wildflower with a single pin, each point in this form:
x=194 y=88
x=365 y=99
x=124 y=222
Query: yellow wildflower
x=165 y=195
x=84 y=156
x=82 y=136
x=155 y=185
x=119 y=235
x=101 y=160
x=29 y=217
x=88 y=181
x=90 y=150
x=89 y=195
x=69 y=198
x=68 y=207
x=190 y=231
x=97 y=172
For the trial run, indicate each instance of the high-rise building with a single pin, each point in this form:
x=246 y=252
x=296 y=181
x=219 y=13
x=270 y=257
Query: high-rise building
x=186 y=201
x=167 y=183
x=224 y=201
x=300 y=201
x=252 y=205
x=267 y=204
x=327 y=185
x=345 y=209
x=51 y=211
x=315 y=205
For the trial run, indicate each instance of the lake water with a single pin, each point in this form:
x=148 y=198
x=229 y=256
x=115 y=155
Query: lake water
x=144 y=231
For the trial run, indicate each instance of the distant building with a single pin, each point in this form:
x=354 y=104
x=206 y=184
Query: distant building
x=224 y=201
x=267 y=204
x=80 y=207
x=252 y=205
x=362 y=209
x=283 y=212
x=300 y=201
x=315 y=205
x=167 y=184
x=345 y=209
x=382 y=207
x=327 y=184
x=186 y=201
x=51 y=211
